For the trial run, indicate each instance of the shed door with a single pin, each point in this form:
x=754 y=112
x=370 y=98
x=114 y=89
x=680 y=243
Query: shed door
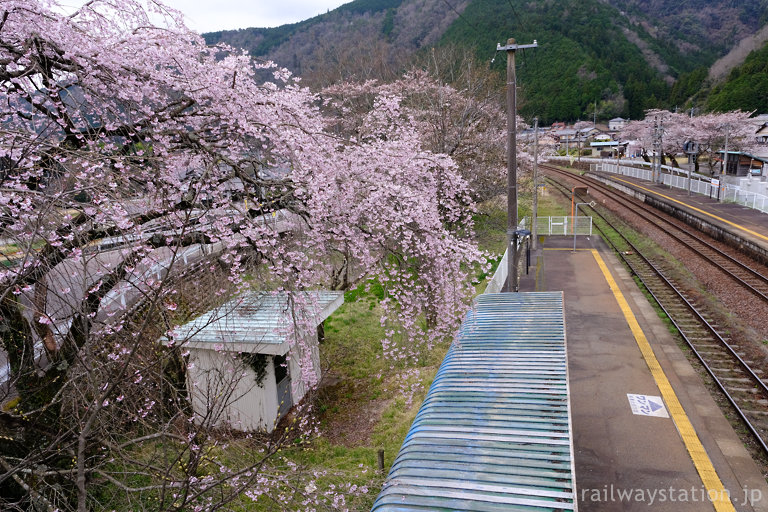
x=283 y=379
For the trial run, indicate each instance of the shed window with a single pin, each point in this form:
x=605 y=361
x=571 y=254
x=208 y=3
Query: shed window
x=281 y=368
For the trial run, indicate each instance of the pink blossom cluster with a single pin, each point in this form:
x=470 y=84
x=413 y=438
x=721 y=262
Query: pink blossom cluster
x=709 y=132
x=134 y=158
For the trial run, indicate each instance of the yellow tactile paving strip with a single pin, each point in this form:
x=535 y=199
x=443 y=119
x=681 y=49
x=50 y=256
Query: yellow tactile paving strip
x=715 y=489
x=703 y=212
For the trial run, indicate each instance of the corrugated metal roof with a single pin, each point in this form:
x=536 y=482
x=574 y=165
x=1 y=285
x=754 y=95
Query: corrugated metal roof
x=256 y=319
x=494 y=431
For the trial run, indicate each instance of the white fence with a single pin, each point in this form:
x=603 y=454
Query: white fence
x=744 y=196
x=670 y=176
x=750 y=192
x=544 y=226
x=499 y=277
x=581 y=225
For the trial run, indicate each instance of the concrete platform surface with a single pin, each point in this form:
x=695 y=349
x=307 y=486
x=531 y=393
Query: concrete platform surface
x=637 y=460
x=747 y=223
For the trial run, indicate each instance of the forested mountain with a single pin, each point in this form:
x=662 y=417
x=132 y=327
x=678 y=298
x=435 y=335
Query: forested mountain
x=704 y=26
x=617 y=56
x=746 y=87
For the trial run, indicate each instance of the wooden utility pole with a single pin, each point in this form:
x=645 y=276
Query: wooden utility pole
x=724 y=168
x=512 y=255
x=594 y=117
x=535 y=214
x=654 y=168
x=661 y=148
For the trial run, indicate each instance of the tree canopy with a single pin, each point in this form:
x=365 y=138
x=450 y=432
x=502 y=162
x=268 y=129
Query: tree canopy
x=146 y=177
x=746 y=87
x=709 y=132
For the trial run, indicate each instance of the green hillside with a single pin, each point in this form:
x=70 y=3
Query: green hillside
x=258 y=41
x=746 y=87
x=261 y=41
x=583 y=57
x=618 y=57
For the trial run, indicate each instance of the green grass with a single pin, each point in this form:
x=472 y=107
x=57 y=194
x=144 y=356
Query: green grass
x=550 y=206
x=491 y=225
x=491 y=218
x=353 y=337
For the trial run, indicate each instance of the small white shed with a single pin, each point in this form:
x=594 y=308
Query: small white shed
x=254 y=357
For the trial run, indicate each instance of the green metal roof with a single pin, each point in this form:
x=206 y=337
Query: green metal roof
x=494 y=432
x=257 y=321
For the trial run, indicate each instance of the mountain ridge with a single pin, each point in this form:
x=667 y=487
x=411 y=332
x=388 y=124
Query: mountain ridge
x=618 y=56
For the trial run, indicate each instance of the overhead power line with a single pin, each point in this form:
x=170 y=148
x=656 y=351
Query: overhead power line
x=465 y=20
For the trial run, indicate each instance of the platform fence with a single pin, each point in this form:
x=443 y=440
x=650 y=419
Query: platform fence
x=549 y=226
x=752 y=193
x=545 y=226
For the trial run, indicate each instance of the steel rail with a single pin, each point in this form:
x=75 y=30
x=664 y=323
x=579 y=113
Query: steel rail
x=650 y=214
x=697 y=316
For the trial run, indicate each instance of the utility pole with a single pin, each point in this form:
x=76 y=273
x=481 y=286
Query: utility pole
x=535 y=214
x=512 y=256
x=724 y=169
x=661 y=147
x=594 y=117
x=655 y=152
x=578 y=143
x=658 y=130
x=725 y=155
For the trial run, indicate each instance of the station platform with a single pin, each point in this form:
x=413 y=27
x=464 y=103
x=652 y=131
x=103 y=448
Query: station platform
x=733 y=223
x=647 y=434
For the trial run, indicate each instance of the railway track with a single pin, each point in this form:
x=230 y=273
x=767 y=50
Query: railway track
x=737 y=270
x=724 y=360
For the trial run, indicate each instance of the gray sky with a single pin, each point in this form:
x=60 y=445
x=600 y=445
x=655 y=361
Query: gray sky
x=212 y=15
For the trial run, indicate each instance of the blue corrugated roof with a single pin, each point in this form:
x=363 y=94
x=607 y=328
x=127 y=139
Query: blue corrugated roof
x=494 y=431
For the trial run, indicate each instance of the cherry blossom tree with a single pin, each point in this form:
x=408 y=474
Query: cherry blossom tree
x=708 y=131
x=456 y=108
x=673 y=128
x=144 y=178
x=639 y=132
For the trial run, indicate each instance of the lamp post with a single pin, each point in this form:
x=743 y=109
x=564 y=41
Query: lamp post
x=576 y=220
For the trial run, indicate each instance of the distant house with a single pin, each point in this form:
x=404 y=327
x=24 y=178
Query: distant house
x=602 y=137
x=250 y=360
x=616 y=124
x=742 y=164
x=761 y=135
x=759 y=120
x=609 y=148
x=572 y=137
